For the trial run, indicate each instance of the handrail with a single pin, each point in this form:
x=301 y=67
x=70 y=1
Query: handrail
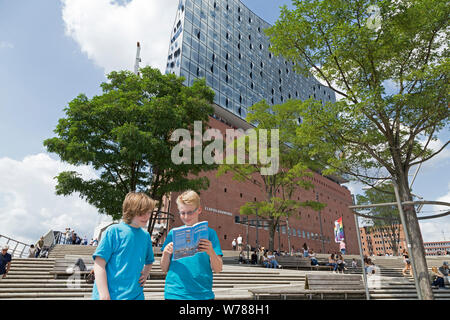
x=57 y=239
x=15 y=254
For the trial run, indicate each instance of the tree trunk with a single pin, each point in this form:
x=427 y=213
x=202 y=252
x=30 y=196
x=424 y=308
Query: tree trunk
x=153 y=217
x=272 y=227
x=393 y=239
x=416 y=241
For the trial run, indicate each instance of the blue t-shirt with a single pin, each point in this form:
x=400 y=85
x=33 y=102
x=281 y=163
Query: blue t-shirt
x=126 y=250
x=4 y=259
x=191 y=278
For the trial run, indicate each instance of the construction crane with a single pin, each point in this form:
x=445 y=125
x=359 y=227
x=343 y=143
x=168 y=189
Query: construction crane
x=138 y=59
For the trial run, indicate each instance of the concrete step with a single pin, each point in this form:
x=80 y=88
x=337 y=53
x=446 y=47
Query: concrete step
x=44 y=290
x=254 y=282
x=31 y=265
x=220 y=292
x=234 y=296
x=37 y=283
x=33 y=262
x=14 y=273
x=257 y=276
x=29 y=269
x=66 y=290
x=31 y=279
x=28 y=276
x=411 y=296
x=409 y=290
x=238 y=279
x=9 y=281
x=28 y=295
x=48 y=298
x=14 y=286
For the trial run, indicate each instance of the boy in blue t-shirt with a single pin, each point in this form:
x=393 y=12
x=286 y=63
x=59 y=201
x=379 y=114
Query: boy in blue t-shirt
x=124 y=256
x=191 y=278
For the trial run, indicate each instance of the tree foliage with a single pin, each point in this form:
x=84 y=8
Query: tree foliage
x=278 y=189
x=386 y=217
x=393 y=80
x=124 y=134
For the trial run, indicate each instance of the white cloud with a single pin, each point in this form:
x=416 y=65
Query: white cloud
x=6 y=45
x=438 y=228
x=325 y=84
x=432 y=229
x=108 y=31
x=29 y=206
x=354 y=187
x=439 y=160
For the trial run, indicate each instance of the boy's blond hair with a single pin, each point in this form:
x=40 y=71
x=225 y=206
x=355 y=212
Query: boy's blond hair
x=189 y=197
x=136 y=204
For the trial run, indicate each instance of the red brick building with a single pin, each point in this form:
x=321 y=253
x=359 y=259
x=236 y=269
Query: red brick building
x=222 y=201
x=378 y=241
x=437 y=248
x=238 y=66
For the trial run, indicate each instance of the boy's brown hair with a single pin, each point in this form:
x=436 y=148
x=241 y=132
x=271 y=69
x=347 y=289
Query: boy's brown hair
x=136 y=204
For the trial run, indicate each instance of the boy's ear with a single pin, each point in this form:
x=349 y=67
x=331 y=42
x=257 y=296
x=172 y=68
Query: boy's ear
x=200 y=210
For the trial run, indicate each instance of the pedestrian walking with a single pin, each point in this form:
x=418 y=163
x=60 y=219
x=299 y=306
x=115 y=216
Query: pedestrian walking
x=32 y=251
x=342 y=246
x=39 y=246
x=407 y=262
x=5 y=262
x=239 y=242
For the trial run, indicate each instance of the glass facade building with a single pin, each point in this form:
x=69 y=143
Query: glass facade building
x=223 y=41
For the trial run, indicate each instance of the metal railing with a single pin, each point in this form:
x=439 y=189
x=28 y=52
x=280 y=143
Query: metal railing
x=17 y=249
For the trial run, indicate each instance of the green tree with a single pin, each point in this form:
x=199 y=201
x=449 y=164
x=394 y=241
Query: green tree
x=124 y=134
x=278 y=186
x=391 y=71
x=384 y=218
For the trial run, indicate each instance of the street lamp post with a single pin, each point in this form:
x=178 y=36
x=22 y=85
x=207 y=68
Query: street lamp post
x=361 y=253
x=320 y=220
x=288 y=234
x=408 y=240
x=257 y=227
x=248 y=253
x=400 y=204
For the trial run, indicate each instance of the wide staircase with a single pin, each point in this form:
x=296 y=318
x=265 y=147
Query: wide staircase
x=394 y=285
x=33 y=278
x=61 y=250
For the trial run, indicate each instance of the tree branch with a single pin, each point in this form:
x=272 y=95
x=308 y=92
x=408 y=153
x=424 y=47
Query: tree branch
x=431 y=156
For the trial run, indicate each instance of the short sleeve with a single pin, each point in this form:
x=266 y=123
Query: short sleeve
x=167 y=241
x=215 y=242
x=105 y=248
x=149 y=259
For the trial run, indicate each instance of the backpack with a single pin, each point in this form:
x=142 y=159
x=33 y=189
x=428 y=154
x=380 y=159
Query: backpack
x=90 y=278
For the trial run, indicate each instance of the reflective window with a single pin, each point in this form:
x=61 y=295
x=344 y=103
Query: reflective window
x=220 y=38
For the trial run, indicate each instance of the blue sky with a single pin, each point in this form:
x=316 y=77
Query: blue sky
x=51 y=51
